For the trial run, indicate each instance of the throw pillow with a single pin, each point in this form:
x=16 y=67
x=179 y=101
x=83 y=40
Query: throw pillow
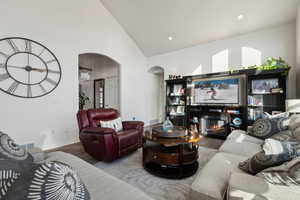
x=265 y=128
x=115 y=124
x=284 y=136
x=9 y=150
x=52 y=180
x=261 y=160
x=280 y=115
x=294 y=122
x=296 y=133
x=287 y=174
x=14 y=160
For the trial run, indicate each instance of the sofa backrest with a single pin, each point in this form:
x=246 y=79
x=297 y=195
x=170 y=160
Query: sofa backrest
x=106 y=114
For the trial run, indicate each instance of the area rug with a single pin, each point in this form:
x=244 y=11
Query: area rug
x=130 y=170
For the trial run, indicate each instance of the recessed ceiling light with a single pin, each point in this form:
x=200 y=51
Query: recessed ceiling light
x=240 y=17
x=170 y=38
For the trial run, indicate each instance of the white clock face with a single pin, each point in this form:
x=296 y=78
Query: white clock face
x=27 y=68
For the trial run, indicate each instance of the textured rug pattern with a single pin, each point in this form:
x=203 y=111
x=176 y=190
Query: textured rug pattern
x=130 y=170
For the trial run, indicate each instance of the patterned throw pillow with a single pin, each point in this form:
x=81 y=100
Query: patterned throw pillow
x=52 y=180
x=21 y=179
x=284 y=136
x=265 y=128
x=294 y=122
x=115 y=124
x=261 y=161
x=287 y=174
x=9 y=150
x=13 y=161
x=296 y=133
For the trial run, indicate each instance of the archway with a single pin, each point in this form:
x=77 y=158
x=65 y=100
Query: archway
x=99 y=81
x=158 y=94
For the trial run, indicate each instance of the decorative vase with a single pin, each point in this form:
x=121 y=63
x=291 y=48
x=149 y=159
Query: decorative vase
x=167 y=125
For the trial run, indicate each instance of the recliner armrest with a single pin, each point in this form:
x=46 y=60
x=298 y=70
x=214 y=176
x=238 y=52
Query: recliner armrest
x=127 y=125
x=98 y=130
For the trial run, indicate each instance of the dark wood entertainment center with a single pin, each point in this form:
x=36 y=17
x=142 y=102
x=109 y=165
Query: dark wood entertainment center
x=223 y=118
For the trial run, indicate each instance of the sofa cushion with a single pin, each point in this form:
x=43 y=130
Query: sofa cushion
x=294 y=122
x=296 y=133
x=100 y=184
x=261 y=160
x=243 y=148
x=51 y=180
x=241 y=136
x=247 y=187
x=284 y=136
x=211 y=182
x=266 y=127
x=287 y=174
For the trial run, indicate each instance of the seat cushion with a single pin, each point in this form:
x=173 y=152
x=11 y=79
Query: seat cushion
x=243 y=148
x=128 y=138
x=100 y=184
x=211 y=182
x=242 y=136
x=247 y=187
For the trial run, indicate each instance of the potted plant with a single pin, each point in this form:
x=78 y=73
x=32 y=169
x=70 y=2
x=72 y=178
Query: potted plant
x=83 y=99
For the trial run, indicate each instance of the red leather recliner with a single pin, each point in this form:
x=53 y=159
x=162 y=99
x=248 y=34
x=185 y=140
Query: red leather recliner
x=105 y=143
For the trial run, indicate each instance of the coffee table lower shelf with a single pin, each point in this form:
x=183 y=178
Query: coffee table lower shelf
x=174 y=162
x=171 y=172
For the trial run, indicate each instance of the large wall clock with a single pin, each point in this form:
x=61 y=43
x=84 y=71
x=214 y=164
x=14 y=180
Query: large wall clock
x=28 y=69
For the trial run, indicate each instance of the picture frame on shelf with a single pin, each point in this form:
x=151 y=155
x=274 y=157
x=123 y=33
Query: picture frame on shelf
x=265 y=86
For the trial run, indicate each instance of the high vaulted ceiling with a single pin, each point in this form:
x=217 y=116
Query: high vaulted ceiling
x=192 y=22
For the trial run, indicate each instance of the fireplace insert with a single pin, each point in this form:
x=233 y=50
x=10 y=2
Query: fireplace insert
x=215 y=124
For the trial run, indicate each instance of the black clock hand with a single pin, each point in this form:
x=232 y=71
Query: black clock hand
x=27 y=59
x=39 y=70
x=11 y=66
x=45 y=70
x=28 y=78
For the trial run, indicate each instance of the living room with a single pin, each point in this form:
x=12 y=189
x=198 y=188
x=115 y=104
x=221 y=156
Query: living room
x=194 y=41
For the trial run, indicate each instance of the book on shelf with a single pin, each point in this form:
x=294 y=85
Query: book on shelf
x=255 y=113
x=276 y=90
x=237 y=112
x=255 y=100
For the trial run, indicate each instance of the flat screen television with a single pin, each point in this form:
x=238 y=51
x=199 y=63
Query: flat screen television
x=221 y=90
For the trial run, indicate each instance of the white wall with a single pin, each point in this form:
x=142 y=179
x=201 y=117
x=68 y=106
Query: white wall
x=274 y=42
x=68 y=28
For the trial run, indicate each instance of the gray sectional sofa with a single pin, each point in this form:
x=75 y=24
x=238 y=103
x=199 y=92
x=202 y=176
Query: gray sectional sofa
x=100 y=184
x=222 y=179
x=219 y=179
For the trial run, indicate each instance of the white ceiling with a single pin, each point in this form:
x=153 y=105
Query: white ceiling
x=192 y=22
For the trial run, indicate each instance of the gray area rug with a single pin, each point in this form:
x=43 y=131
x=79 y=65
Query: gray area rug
x=130 y=170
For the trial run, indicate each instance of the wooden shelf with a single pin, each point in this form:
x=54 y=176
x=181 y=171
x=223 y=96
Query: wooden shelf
x=176 y=96
x=273 y=93
x=266 y=106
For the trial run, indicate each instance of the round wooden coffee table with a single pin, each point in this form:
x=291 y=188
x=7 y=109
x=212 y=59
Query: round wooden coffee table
x=171 y=154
